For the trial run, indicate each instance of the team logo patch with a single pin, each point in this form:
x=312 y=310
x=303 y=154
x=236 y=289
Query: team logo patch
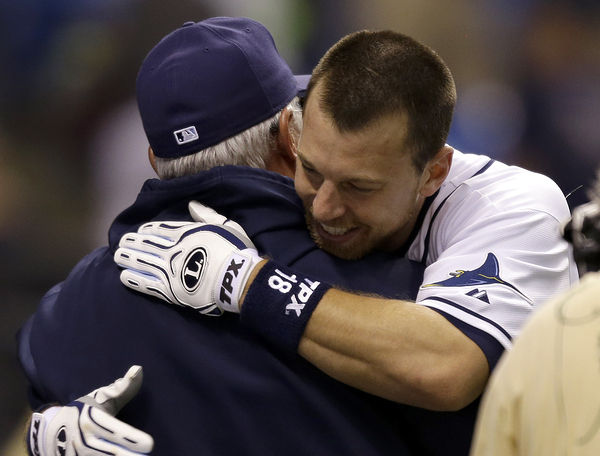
x=479 y=294
x=193 y=266
x=186 y=135
x=486 y=274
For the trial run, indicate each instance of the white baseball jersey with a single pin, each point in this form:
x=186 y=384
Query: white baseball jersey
x=491 y=244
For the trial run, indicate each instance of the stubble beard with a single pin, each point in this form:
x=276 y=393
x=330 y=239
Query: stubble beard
x=349 y=251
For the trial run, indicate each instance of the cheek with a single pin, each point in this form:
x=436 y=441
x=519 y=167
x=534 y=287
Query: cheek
x=303 y=189
x=388 y=214
x=371 y=212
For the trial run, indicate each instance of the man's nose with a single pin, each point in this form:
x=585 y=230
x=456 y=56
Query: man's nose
x=327 y=203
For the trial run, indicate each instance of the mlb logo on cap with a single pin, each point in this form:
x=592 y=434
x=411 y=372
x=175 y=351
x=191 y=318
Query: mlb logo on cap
x=186 y=135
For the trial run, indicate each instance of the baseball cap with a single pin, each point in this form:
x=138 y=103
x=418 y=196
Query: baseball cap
x=208 y=81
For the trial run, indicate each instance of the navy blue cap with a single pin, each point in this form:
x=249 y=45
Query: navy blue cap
x=208 y=81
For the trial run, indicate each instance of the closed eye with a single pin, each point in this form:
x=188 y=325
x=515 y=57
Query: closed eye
x=307 y=169
x=362 y=189
x=359 y=189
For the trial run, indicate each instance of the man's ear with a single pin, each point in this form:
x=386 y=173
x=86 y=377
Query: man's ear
x=286 y=144
x=436 y=171
x=288 y=136
x=152 y=159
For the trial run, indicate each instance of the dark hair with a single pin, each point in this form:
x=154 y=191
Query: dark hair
x=370 y=74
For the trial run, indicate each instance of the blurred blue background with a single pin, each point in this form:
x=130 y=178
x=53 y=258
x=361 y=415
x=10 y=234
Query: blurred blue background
x=73 y=153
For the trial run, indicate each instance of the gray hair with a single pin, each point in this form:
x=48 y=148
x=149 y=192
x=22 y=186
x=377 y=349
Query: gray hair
x=251 y=147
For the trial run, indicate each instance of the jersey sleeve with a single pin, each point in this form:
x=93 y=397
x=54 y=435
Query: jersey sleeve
x=493 y=269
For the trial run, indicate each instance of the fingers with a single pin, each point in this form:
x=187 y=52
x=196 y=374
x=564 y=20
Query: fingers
x=236 y=227
x=211 y=310
x=147 y=242
x=135 y=376
x=241 y=236
x=166 y=230
x=146 y=284
x=129 y=256
x=143 y=272
x=105 y=433
x=158 y=237
x=113 y=397
x=201 y=213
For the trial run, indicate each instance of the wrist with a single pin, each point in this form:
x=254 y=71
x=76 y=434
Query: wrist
x=234 y=277
x=279 y=302
x=251 y=278
x=37 y=428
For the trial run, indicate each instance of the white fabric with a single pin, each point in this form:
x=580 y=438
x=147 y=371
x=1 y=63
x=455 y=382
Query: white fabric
x=513 y=214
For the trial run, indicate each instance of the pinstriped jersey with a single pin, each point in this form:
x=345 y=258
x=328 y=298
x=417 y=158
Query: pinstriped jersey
x=490 y=240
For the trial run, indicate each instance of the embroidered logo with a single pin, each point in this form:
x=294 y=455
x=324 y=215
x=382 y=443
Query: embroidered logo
x=192 y=269
x=186 y=135
x=486 y=274
x=479 y=294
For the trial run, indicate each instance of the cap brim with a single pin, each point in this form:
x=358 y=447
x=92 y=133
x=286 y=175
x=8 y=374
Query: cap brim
x=302 y=83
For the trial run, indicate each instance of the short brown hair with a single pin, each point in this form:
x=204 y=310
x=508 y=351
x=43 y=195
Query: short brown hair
x=370 y=74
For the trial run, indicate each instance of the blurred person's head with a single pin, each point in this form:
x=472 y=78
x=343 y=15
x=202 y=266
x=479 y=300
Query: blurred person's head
x=583 y=232
x=217 y=92
x=377 y=115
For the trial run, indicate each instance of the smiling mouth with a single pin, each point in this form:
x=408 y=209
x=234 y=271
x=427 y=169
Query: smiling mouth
x=334 y=230
x=335 y=233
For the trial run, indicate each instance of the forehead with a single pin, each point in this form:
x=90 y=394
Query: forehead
x=380 y=147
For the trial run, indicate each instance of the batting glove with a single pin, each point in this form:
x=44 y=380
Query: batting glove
x=205 y=214
x=88 y=427
x=197 y=265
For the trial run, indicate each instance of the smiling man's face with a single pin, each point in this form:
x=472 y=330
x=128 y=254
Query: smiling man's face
x=361 y=190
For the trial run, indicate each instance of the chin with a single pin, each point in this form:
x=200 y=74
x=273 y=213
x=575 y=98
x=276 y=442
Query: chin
x=349 y=251
x=345 y=253
x=352 y=251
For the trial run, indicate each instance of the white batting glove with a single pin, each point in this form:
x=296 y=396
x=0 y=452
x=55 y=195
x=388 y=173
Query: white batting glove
x=197 y=265
x=87 y=426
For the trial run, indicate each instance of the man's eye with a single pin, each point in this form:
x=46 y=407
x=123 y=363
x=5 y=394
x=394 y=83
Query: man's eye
x=359 y=189
x=308 y=169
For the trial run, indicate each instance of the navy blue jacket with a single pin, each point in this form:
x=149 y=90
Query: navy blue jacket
x=211 y=386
